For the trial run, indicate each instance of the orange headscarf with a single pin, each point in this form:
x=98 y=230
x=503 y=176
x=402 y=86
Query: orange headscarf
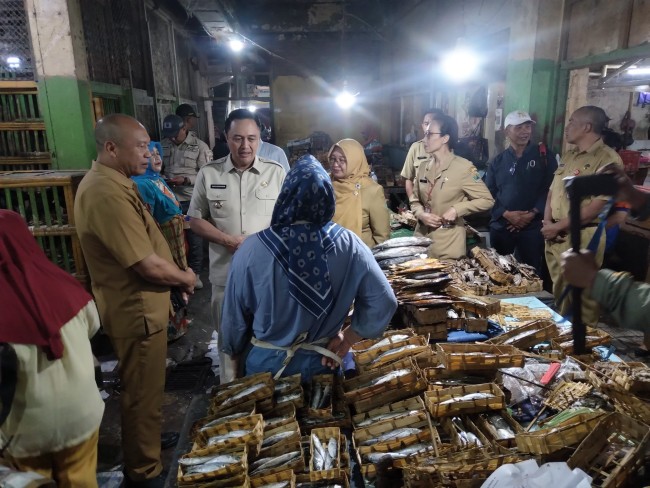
x=348 y=189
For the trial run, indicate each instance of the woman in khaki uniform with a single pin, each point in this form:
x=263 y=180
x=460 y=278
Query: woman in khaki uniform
x=446 y=189
x=360 y=203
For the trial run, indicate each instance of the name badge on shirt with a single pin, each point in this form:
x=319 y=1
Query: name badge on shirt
x=218 y=187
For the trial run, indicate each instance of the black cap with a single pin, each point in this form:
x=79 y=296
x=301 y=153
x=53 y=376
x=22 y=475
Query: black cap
x=172 y=124
x=186 y=110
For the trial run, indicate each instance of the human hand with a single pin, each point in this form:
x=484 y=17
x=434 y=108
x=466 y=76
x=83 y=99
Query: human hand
x=430 y=220
x=518 y=219
x=551 y=232
x=189 y=282
x=450 y=216
x=234 y=242
x=340 y=346
x=176 y=180
x=579 y=269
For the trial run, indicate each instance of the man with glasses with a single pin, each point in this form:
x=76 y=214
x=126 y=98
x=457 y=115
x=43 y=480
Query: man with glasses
x=184 y=155
x=417 y=154
x=519 y=179
x=233 y=198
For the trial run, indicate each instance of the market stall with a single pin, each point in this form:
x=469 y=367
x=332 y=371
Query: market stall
x=465 y=381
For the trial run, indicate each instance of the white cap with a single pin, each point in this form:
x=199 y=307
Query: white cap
x=517 y=117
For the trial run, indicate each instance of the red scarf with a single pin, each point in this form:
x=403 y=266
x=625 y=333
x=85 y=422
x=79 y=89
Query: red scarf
x=36 y=297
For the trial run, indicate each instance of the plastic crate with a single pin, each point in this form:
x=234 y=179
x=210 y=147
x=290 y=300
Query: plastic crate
x=630 y=160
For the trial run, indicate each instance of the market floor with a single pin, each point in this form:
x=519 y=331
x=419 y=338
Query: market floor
x=189 y=378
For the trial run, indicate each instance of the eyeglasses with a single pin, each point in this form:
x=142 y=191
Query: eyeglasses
x=339 y=161
x=428 y=134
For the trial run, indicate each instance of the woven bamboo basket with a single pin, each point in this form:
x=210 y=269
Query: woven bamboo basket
x=228 y=395
x=439 y=377
x=345 y=452
x=465 y=357
x=435 y=332
x=619 y=429
x=415 y=351
x=434 y=400
x=226 y=472
x=253 y=439
x=595 y=337
x=527 y=335
x=366 y=344
x=321 y=381
x=627 y=403
x=566 y=393
x=286 y=476
x=360 y=387
x=480 y=306
x=508 y=443
x=324 y=435
x=416 y=315
x=238 y=481
x=293 y=431
x=403 y=406
x=366 y=358
x=295 y=397
x=305 y=479
x=280 y=415
x=395 y=390
x=493 y=271
x=418 y=419
x=369 y=470
x=633 y=377
x=296 y=465
x=473 y=324
x=199 y=424
x=569 y=433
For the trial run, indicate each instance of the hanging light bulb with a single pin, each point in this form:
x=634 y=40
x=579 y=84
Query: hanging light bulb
x=236 y=45
x=345 y=99
x=461 y=64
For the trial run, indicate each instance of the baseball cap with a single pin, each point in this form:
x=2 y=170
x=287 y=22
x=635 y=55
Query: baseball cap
x=186 y=110
x=172 y=124
x=517 y=117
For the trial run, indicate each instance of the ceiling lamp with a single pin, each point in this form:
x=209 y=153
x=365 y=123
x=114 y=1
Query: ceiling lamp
x=236 y=45
x=460 y=65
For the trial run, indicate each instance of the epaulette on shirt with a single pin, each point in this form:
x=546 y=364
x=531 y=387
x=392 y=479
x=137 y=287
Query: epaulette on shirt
x=264 y=160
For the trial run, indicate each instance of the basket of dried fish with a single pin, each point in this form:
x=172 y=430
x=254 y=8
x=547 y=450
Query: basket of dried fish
x=304 y=480
x=387 y=412
x=479 y=306
x=464 y=399
x=237 y=481
x=280 y=415
x=464 y=433
x=195 y=467
x=566 y=393
x=500 y=427
x=390 y=351
x=594 y=337
x=231 y=435
x=383 y=385
x=612 y=451
x=289 y=391
x=388 y=340
x=257 y=387
x=279 y=436
x=565 y=429
x=325 y=454
x=206 y=423
x=528 y=335
x=320 y=395
x=439 y=377
x=286 y=455
x=464 y=357
x=281 y=479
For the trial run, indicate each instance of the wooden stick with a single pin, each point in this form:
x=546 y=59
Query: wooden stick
x=534 y=421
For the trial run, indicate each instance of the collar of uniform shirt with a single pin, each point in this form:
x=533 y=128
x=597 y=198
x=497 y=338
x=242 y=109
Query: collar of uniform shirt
x=255 y=167
x=113 y=174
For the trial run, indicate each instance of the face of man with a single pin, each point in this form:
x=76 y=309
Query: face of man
x=576 y=128
x=181 y=136
x=190 y=122
x=519 y=135
x=131 y=151
x=243 y=139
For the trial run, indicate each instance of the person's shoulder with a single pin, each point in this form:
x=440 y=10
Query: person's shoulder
x=609 y=154
x=216 y=163
x=272 y=162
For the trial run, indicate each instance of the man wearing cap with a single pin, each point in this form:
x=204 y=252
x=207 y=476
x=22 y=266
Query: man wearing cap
x=233 y=198
x=184 y=155
x=189 y=115
x=590 y=153
x=519 y=179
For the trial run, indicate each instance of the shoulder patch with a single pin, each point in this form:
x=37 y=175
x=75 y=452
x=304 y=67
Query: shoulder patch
x=269 y=161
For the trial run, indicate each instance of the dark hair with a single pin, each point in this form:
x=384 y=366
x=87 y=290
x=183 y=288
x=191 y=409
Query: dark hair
x=432 y=111
x=448 y=127
x=612 y=139
x=596 y=116
x=241 y=114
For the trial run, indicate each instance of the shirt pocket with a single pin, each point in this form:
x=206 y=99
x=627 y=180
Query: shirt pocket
x=265 y=198
x=219 y=203
x=189 y=159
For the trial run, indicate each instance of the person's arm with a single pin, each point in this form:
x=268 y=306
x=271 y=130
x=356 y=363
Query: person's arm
x=157 y=270
x=626 y=300
x=408 y=186
x=408 y=170
x=479 y=197
x=491 y=183
x=587 y=214
x=378 y=217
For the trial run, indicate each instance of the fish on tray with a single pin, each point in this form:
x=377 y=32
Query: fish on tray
x=223 y=420
x=218 y=439
x=291 y=397
x=387 y=263
x=321 y=395
x=387 y=416
x=499 y=427
x=272 y=462
x=388 y=340
x=398 y=252
x=275 y=438
x=465 y=398
x=195 y=461
x=402 y=242
x=244 y=393
x=393 y=352
x=375 y=457
x=324 y=456
x=392 y=436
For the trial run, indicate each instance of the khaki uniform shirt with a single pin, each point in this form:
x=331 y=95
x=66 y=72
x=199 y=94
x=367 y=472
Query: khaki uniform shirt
x=116 y=231
x=456 y=184
x=185 y=160
x=375 y=220
x=414 y=158
x=236 y=203
x=579 y=163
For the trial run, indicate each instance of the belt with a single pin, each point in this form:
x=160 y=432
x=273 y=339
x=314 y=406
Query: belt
x=299 y=343
x=593 y=224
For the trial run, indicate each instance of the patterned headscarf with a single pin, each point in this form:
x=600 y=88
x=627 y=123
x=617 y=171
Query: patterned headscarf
x=301 y=234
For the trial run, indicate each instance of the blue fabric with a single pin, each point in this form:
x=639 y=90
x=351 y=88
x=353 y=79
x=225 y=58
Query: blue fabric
x=519 y=183
x=301 y=235
x=257 y=297
x=155 y=192
x=462 y=336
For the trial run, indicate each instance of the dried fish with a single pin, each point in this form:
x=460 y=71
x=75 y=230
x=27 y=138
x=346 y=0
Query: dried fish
x=392 y=435
x=275 y=438
x=387 y=263
x=398 y=252
x=271 y=462
x=217 y=439
x=195 y=461
x=386 y=416
x=206 y=468
x=316 y=394
x=386 y=378
x=468 y=397
x=281 y=386
x=399 y=454
x=244 y=393
x=291 y=397
x=402 y=242
x=319 y=453
x=276 y=420
x=393 y=352
x=223 y=420
x=501 y=428
x=388 y=340
x=280 y=484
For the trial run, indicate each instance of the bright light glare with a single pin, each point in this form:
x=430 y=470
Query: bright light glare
x=639 y=71
x=459 y=65
x=13 y=61
x=252 y=108
x=236 y=45
x=345 y=99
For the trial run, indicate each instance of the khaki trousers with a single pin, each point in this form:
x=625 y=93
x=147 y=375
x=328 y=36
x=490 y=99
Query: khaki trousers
x=72 y=467
x=142 y=363
x=227 y=367
x=553 y=252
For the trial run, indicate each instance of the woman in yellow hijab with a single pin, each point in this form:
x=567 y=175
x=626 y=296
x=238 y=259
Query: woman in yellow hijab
x=360 y=202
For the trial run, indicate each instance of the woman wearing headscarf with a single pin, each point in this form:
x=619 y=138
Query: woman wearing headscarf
x=165 y=208
x=47 y=319
x=290 y=286
x=446 y=189
x=360 y=202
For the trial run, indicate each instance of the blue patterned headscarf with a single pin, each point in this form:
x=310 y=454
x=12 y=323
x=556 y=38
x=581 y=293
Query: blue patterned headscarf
x=301 y=234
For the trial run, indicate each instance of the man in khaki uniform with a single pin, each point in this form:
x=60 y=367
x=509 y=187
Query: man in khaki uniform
x=590 y=154
x=131 y=269
x=233 y=198
x=416 y=154
x=184 y=154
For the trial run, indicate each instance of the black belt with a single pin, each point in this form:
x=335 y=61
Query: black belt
x=593 y=224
